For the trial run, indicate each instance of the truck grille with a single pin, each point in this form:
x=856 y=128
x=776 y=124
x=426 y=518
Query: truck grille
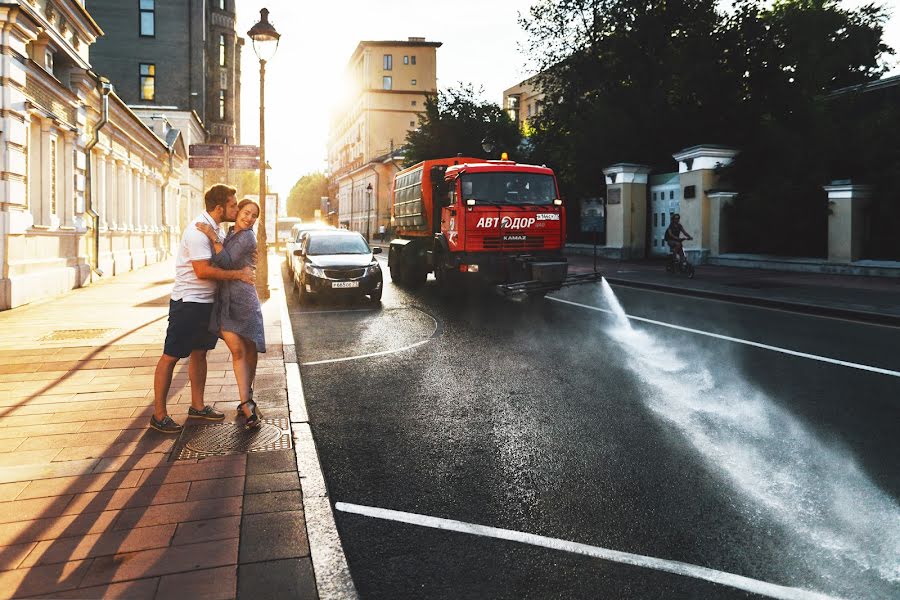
x=344 y=273
x=529 y=243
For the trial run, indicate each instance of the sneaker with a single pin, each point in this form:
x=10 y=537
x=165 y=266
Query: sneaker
x=166 y=425
x=208 y=413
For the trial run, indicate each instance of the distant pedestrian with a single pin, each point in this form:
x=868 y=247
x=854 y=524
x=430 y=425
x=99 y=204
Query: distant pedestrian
x=190 y=308
x=381 y=233
x=237 y=316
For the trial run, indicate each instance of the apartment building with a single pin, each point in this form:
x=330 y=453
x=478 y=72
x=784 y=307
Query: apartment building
x=389 y=83
x=178 y=55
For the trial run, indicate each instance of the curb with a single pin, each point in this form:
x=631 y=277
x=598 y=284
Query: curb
x=810 y=309
x=330 y=567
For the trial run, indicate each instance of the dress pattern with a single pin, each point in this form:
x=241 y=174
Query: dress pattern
x=237 y=306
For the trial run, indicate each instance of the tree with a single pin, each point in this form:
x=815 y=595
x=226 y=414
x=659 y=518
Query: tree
x=637 y=80
x=305 y=197
x=455 y=122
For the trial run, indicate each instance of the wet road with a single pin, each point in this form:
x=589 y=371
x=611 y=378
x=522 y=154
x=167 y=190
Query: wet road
x=770 y=455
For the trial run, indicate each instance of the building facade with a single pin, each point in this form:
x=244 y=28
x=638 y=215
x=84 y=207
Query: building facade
x=523 y=101
x=389 y=82
x=85 y=186
x=174 y=54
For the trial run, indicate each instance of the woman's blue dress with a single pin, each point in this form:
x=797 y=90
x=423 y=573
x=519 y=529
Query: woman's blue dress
x=237 y=306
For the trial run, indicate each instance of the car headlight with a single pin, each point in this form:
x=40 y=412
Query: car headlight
x=315 y=271
x=374 y=267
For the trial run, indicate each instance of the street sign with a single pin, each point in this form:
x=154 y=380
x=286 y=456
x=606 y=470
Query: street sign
x=243 y=151
x=206 y=162
x=207 y=150
x=240 y=162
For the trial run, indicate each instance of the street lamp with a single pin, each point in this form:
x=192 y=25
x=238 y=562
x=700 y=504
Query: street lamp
x=369 y=209
x=265 y=43
x=487 y=144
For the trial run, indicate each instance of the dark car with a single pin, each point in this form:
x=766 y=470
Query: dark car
x=337 y=263
x=297 y=232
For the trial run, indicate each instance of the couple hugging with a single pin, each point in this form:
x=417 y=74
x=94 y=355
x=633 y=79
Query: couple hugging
x=214 y=296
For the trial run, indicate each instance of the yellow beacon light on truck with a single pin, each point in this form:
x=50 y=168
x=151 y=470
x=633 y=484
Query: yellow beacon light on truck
x=504 y=156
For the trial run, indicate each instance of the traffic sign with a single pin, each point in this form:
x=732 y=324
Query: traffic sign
x=240 y=162
x=207 y=150
x=207 y=162
x=243 y=151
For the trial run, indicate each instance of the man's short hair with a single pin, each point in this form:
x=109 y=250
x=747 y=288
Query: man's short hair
x=676 y=216
x=218 y=195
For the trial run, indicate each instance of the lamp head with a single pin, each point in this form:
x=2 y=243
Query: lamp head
x=487 y=144
x=369 y=187
x=265 y=38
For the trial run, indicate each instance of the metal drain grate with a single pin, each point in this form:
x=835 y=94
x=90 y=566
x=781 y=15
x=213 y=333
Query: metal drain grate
x=74 y=334
x=219 y=439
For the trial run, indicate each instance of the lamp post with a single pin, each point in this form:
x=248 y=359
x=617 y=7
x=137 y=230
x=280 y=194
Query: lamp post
x=487 y=144
x=368 y=210
x=265 y=43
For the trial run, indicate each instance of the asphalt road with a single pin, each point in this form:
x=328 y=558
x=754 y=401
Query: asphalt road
x=562 y=421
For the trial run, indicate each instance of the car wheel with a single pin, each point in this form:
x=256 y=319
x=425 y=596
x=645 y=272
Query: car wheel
x=375 y=297
x=302 y=294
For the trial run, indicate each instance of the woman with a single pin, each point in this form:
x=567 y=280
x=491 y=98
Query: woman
x=237 y=317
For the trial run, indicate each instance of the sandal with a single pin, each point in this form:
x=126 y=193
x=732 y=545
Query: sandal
x=255 y=418
x=250 y=399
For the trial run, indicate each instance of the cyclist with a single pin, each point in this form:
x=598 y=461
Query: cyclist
x=674 y=239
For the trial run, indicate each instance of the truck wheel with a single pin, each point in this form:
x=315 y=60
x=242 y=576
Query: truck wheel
x=396 y=275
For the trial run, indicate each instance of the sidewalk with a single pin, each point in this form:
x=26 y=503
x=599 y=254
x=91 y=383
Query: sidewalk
x=91 y=504
x=871 y=299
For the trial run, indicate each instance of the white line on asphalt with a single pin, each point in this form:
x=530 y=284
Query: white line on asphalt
x=740 y=582
x=825 y=359
x=361 y=356
x=382 y=353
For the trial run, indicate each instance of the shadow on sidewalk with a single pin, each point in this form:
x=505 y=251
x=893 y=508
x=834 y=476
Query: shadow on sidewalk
x=65 y=560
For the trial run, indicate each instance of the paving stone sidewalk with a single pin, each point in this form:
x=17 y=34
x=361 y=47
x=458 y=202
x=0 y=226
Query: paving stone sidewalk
x=91 y=505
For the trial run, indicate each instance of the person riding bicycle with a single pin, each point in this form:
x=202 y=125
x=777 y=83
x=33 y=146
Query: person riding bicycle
x=674 y=239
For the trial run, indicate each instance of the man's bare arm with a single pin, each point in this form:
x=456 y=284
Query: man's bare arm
x=204 y=270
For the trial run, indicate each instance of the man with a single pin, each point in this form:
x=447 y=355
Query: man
x=674 y=239
x=190 y=308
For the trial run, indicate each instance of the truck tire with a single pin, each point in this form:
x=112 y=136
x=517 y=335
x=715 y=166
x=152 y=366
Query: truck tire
x=414 y=276
x=396 y=275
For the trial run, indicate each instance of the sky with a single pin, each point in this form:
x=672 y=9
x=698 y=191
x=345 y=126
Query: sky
x=481 y=45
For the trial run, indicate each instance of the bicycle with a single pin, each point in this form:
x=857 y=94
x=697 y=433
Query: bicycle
x=675 y=264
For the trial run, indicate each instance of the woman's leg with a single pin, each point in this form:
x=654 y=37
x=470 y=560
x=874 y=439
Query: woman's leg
x=252 y=358
x=240 y=364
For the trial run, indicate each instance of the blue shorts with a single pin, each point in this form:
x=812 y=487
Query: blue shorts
x=189 y=328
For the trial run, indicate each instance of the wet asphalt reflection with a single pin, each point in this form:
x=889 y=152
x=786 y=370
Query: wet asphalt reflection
x=547 y=419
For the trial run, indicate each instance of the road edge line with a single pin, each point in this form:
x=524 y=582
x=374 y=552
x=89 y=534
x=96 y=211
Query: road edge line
x=330 y=568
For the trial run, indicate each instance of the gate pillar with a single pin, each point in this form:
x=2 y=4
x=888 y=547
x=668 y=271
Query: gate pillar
x=626 y=209
x=846 y=203
x=697 y=172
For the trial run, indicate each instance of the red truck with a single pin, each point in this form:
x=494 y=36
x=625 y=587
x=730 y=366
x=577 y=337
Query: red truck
x=466 y=219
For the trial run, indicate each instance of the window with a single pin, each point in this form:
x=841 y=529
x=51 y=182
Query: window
x=53 y=176
x=221 y=50
x=222 y=104
x=387 y=83
x=147 y=10
x=48 y=61
x=412 y=123
x=148 y=81
x=406 y=60
x=388 y=62
x=662 y=219
x=413 y=102
x=413 y=82
x=221 y=4
x=672 y=195
x=412 y=59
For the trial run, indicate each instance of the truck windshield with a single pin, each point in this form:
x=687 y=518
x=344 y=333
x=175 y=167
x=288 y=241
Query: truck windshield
x=508 y=188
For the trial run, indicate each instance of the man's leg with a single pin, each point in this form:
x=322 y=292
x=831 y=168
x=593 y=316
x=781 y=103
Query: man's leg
x=197 y=375
x=162 y=381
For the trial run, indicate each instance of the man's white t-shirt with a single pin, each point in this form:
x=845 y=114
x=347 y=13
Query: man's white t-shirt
x=194 y=246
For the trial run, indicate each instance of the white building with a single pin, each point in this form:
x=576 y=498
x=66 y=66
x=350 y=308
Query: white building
x=84 y=183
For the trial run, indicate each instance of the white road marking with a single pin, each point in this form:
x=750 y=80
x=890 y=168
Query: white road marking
x=383 y=352
x=825 y=359
x=361 y=356
x=740 y=582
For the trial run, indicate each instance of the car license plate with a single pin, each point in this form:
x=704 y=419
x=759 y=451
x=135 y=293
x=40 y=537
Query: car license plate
x=344 y=284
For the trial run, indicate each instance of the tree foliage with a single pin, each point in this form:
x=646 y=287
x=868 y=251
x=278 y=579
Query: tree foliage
x=455 y=121
x=306 y=195
x=638 y=80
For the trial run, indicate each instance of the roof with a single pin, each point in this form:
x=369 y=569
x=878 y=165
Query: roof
x=414 y=43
